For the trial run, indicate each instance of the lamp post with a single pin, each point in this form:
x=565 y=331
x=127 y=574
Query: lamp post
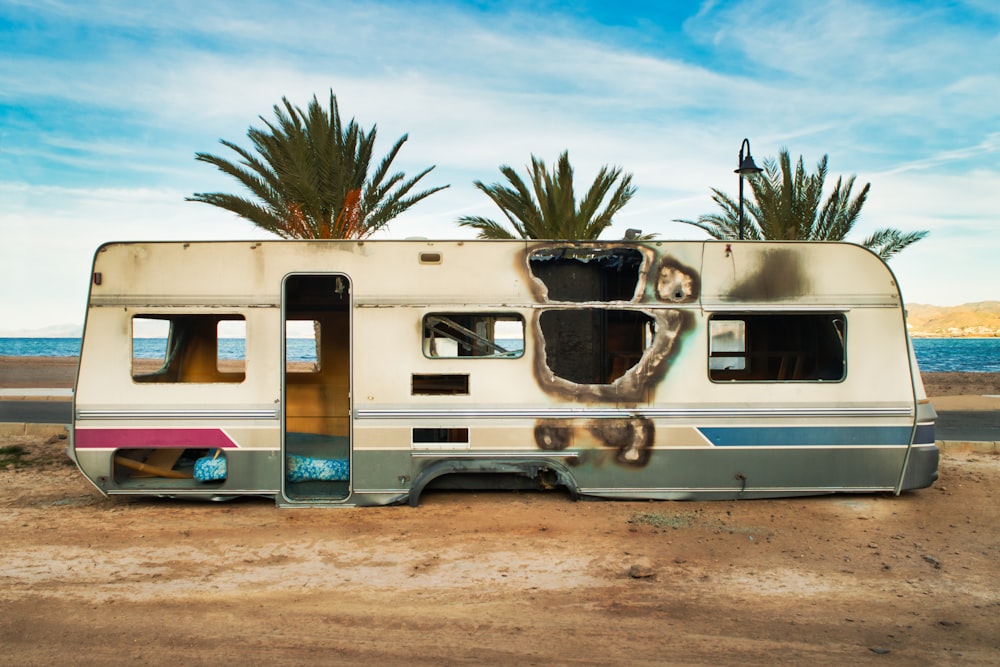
x=746 y=168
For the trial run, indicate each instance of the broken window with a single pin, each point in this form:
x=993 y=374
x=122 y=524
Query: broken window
x=189 y=348
x=594 y=346
x=777 y=347
x=587 y=274
x=451 y=335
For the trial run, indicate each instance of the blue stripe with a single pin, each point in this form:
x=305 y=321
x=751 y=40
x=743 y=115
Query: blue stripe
x=798 y=436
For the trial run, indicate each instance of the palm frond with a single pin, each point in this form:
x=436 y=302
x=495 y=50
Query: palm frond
x=887 y=242
x=788 y=205
x=312 y=176
x=546 y=207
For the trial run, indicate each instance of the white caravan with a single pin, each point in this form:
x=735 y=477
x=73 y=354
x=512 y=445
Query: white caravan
x=346 y=373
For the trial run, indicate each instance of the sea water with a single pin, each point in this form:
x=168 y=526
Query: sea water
x=299 y=349
x=935 y=355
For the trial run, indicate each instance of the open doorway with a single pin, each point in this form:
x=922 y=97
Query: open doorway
x=316 y=396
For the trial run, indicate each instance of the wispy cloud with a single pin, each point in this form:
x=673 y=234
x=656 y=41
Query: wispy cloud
x=103 y=105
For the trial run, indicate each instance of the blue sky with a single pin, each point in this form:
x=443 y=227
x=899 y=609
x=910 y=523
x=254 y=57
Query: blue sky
x=103 y=105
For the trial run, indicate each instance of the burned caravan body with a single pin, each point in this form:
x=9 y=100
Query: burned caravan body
x=364 y=373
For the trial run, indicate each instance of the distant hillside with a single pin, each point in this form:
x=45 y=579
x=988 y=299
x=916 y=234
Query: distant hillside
x=981 y=319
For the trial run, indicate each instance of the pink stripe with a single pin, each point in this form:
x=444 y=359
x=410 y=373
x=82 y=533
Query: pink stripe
x=121 y=438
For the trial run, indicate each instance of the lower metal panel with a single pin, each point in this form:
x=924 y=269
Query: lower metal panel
x=388 y=476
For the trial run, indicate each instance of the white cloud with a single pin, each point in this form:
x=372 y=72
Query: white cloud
x=900 y=95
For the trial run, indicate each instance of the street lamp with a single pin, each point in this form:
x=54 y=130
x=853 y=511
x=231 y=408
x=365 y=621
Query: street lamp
x=746 y=168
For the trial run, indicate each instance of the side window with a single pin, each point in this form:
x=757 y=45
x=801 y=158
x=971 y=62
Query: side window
x=795 y=347
x=188 y=348
x=454 y=335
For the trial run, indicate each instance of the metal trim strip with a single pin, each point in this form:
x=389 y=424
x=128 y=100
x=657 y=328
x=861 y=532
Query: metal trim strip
x=631 y=491
x=626 y=413
x=266 y=413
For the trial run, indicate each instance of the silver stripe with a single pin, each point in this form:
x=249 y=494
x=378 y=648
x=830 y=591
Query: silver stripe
x=184 y=301
x=265 y=413
x=631 y=491
x=626 y=413
x=818 y=306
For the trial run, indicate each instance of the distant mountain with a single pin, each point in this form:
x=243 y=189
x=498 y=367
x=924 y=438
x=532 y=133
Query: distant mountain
x=52 y=331
x=972 y=320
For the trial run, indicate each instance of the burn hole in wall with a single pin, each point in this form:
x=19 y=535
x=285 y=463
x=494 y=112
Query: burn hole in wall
x=594 y=346
x=586 y=274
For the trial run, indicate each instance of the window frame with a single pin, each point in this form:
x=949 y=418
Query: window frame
x=443 y=323
x=175 y=339
x=816 y=363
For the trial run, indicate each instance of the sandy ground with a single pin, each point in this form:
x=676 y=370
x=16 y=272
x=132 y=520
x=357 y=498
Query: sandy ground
x=497 y=578
x=46 y=372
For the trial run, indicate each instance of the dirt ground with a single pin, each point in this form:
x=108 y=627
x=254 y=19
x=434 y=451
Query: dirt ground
x=497 y=578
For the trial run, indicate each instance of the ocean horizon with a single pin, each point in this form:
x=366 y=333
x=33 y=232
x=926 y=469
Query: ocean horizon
x=934 y=355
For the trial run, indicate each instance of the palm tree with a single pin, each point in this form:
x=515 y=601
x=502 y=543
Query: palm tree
x=548 y=208
x=790 y=206
x=309 y=178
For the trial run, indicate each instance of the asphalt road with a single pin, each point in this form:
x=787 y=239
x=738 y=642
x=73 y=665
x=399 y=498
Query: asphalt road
x=36 y=412
x=968 y=426
x=971 y=426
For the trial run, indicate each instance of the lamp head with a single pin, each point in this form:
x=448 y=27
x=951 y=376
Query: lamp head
x=747 y=166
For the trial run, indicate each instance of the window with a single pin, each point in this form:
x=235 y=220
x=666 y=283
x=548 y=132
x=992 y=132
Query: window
x=302 y=346
x=189 y=348
x=777 y=347
x=455 y=335
x=728 y=336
